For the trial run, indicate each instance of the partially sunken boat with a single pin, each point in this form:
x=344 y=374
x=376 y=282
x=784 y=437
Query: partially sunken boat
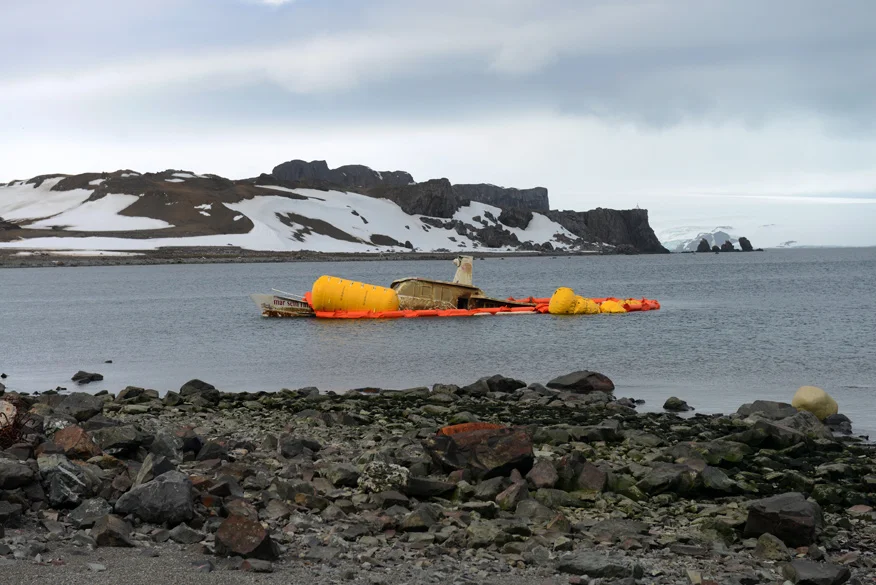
x=338 y=298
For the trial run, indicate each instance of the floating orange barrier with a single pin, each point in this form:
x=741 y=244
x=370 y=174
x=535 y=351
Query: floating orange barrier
x=467 y=427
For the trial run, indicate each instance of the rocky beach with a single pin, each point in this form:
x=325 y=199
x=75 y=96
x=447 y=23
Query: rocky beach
x=499 y=481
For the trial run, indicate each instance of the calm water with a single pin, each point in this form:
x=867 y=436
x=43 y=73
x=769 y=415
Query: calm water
x=733 y=328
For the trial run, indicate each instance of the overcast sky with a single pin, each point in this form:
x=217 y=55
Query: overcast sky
x=756 y=115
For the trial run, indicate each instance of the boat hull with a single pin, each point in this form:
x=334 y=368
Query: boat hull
x=276 y=306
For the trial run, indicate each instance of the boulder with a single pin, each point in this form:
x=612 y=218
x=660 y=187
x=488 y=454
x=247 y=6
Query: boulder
x=513 y=495
x=182 y=534
x=239 y=536
x=291 y=447
x=806 y=572
x=342 y=475
x=110 y=530
x=808 y=424
x=10 y=514
x=839 y=423
x=165 y=499
x=675 y=404
x=669 y=477
x=199 y=389
x=83 y=377
x=599 y=566
x=767 y=409
x=582 y=382
x=771 y=548
x=76 y=443
x=80 y=405
x=816 y=401
x=89 y=512
x=118 y=440
x=14 y=475
x=790 y=517
x=543 y=474
x=486 y=453
x=65 y=483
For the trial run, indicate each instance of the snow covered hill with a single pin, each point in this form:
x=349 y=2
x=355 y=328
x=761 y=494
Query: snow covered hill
x=132 y=211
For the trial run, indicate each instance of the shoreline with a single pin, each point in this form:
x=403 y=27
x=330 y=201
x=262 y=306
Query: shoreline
x=551 y=484
x=11 y=258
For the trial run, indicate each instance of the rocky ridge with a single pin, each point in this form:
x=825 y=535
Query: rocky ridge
x=561 y=483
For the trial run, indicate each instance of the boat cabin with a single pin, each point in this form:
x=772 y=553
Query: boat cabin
x=424 y=294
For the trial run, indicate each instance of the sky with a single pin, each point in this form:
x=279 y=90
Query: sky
x=758 y=116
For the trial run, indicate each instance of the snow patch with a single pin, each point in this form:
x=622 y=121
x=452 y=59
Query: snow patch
x=101 y=215
x=96 y=182
x=237 y=217
x=126 y=175
x=185 y=175
x=24 y=202
x=205 y=213
x=174 y=180
x=204 y=206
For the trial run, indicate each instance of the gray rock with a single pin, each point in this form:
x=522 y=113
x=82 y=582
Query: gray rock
x=597 y=565
x=342 y=475
x=767 y=409
x=291 y=447
x=543 y=474
x=14 y=475
x=667 y=477
x=805 y=572
x=771 y=548
x=110 y=530
x=488 y=489
x=421 y=519
x=185 y=535
x=89 y=512
x=212 y=450
x=10 y=514
x=675 y=404
x=808 y=424
x=427 y=487
x=167 y=444
x=65 y=483
x=118 y=440
x=790 y=517
x=165 y=499
x=615 y=529
x=582 y=382
x=199 y=389
x=152 y=467
x=80 y=405
x=83 y=377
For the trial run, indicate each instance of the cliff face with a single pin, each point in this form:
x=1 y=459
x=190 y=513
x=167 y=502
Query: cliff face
x=435 y=198
x=345 y=176
x=535 y=199
x=627 y=229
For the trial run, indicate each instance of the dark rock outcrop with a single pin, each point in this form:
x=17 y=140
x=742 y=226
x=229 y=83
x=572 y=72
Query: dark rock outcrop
x=703 y=246
x=518 y=218
x=487 y=453
x=745 y=244
x=345 y=176
x=727 y=247
x=435 y=198
x=535 y=199
x=790 y=517
x=627 y=227
x=582 y=382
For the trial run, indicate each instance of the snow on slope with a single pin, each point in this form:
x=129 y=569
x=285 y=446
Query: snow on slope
x=101 y=215
x=22 y=201
x=540 y=228
x=281 y=223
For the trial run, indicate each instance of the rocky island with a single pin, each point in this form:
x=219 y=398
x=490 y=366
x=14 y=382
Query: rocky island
x=498 y=481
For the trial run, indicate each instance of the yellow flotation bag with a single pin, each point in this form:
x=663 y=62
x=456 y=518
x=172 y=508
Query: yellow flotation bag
x=609 y=306
x=584 y=306
x=331 y=293
x=562 y=302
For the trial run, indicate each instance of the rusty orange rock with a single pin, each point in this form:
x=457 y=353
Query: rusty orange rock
x=246 y=538
x=76 y=443
x=467 y=427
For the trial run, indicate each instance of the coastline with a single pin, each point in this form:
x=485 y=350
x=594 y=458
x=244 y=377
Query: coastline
x=556 y=483
x=12 y=258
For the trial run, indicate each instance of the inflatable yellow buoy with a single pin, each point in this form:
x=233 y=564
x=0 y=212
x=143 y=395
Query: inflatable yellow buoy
x=585 y=306
x=331 y=293
x=610 y=306
x=816 y=401
x=562 y=302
